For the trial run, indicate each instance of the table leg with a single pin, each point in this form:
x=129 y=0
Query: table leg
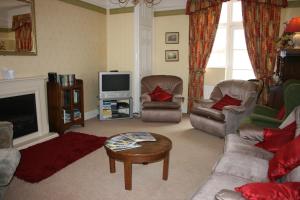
x=166 y=167
x=128 y=175
x=112 y=165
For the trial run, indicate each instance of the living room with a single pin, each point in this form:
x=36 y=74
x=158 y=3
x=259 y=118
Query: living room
x=86 y=37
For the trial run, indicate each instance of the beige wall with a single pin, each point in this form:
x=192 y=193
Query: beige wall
x=177 y=23
x=120 y=42
x=70 y=40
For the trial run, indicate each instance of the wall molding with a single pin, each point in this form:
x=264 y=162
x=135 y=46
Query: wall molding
x=293 y=4
x=86 y=5
x=6 y=30
x=91 y=114
x=115 y=11
x=169 y=13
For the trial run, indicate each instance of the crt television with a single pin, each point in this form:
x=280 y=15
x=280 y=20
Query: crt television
x=114 y=85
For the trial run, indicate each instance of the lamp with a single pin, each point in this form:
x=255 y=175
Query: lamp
x=293 y=26
x=123 y=3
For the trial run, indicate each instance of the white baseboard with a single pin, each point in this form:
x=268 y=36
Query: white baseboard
x=91 y=114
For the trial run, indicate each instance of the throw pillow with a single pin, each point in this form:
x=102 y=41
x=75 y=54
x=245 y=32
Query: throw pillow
x=260 y=191
x=158 y=94
x=280 y=115
x=226 y=101
x=276 y=139
x=285 y=159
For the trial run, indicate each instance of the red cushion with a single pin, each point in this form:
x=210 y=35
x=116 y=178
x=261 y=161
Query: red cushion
x=270 y=191
x=280 y=115
x=285 y=159
x=277 y=139
x=159 y=94
x=226 y=101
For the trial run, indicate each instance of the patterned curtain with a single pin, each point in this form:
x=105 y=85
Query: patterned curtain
x=204 y=19
x=261 y=19
x=22 y=25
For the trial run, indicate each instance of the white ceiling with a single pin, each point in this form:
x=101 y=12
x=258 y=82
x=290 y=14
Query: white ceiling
x=163 y=5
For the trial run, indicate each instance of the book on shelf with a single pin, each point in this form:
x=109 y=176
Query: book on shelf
x=76 y=114
x=76 y=96
x=66 y=116
x=66 y=79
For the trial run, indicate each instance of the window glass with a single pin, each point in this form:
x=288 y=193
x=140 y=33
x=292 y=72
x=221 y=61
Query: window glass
x=237 y=15
x=217 y=59
x=242 y=74
x=239 y=41
x=223 y=17
x=241 y=60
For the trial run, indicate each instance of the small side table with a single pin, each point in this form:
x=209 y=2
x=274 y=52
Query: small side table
x=149 y=152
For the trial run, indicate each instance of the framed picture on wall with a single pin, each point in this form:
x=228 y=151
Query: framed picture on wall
x=171 y=55
x=172 y=38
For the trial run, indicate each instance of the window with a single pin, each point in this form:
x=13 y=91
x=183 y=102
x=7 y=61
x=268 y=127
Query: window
x=229 y=49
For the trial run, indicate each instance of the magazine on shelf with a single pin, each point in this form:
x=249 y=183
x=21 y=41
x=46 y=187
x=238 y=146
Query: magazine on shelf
x=140 y=136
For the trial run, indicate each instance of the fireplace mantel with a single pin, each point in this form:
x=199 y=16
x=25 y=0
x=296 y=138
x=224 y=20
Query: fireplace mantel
x=29 y=85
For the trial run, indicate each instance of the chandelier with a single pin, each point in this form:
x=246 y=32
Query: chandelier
x=123 y=3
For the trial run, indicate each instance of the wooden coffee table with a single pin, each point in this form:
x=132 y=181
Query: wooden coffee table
x=149 y=152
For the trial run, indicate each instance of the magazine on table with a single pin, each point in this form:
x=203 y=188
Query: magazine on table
x=140 y=136
x=128 y=140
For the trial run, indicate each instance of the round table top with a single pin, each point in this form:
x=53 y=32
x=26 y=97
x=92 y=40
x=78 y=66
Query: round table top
x=155 y=149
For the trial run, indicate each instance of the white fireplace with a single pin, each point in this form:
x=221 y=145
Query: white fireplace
x=30 y=85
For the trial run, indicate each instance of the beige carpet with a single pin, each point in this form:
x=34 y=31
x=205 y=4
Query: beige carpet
x=192 y=157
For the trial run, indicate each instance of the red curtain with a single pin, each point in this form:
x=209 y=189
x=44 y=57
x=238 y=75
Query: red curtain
x=22 y=25
x=204 y=19
x=261 y=19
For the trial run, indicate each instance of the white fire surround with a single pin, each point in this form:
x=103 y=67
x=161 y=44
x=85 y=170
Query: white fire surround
x=31 y=85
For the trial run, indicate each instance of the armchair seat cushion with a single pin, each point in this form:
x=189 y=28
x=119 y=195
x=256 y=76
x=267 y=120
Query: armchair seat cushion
x=160 y=105
x=209 y=113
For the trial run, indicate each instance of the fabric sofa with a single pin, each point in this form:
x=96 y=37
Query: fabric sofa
x=241 y=163
x=9 y=156
x=226 y=121
x=157 y=111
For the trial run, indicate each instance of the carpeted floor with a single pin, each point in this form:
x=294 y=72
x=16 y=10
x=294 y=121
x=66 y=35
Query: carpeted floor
x=192 y=157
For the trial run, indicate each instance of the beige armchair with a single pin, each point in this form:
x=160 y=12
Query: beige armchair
x=227 y=121
x=161 y=111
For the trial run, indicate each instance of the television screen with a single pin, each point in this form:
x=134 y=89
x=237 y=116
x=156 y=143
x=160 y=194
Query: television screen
x=115 y=82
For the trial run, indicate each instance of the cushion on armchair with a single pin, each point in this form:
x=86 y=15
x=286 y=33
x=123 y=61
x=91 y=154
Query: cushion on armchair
x=158 y=94
x=226 y=101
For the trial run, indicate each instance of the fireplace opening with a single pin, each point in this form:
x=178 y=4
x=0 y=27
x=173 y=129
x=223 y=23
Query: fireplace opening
x=21 y=111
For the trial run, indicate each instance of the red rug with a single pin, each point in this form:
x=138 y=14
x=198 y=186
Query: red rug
x=43 y=160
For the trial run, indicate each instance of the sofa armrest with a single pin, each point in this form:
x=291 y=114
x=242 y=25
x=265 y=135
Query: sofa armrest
x=9 y=160
x=145 y=98
x=177 y=98
x=233 y=117
x=229 y=195
x=6 y=134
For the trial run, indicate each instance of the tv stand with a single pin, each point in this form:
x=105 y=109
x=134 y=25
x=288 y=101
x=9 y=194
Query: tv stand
x=115 y=108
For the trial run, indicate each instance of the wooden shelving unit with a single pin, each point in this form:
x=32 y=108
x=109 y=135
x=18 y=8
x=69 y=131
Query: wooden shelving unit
x=65 y=106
